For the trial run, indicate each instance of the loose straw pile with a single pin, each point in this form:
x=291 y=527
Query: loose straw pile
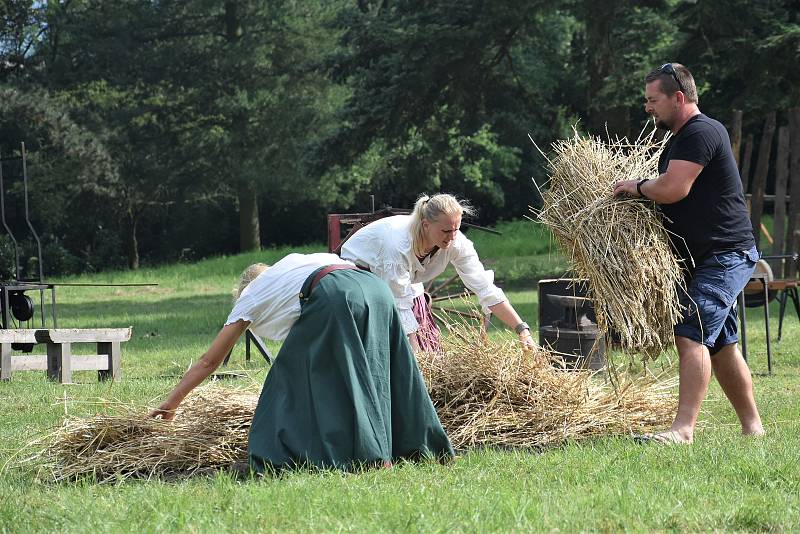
x=489 y=392
x=209 y=432
x=486 y=393
x=618 y=244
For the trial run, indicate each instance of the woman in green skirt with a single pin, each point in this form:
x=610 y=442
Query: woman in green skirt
x=345 y=389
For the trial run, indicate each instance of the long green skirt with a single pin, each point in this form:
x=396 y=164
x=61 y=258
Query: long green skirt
x=345 y=389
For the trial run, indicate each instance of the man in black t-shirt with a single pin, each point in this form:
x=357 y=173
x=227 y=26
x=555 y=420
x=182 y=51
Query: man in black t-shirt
x=700 y=192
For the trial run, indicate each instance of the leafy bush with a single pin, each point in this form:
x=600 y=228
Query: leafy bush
x=57 y=259
x=7 y=270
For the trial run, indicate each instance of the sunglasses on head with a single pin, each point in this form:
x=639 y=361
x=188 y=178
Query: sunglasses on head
x=667 y=68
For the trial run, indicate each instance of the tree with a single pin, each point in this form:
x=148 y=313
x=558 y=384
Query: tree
x=231 y=124
x=622 y=42
x=99 y=58
x=434 y=86
x=22 y=25
x=198 y=99
x=743 y=54
x=65 y=162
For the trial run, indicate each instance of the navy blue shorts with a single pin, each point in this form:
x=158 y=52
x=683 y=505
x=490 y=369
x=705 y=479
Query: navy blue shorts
x=709 y=309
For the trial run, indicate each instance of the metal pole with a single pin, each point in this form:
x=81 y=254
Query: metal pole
x=766 y=323
x=6 y=310
x=53 y=299
x=483 y=228
x=27 y=219
x=743 y=321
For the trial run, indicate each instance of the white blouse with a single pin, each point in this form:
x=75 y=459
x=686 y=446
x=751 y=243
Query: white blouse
x=385 y=247
x=271 y=302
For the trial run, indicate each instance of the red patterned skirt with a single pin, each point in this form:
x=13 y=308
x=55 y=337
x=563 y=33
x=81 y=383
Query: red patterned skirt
x=428 y=333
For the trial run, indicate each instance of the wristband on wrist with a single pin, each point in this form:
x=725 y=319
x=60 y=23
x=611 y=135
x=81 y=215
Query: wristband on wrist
x=639 y=185
x=521 y=327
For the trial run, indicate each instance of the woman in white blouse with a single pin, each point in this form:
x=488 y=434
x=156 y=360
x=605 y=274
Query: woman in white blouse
x=408 y=250
x=344 y=389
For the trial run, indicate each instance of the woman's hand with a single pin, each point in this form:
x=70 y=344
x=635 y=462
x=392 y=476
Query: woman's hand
x=202 y=368
x=166 y=411
x=526 y=339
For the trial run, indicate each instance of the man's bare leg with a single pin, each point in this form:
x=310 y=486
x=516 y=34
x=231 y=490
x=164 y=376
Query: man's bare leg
x=694 y=373
x=734 y=377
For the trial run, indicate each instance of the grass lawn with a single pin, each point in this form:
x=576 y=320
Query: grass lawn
x=721 y=482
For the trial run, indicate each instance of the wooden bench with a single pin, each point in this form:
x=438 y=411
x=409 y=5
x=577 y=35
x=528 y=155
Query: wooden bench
x=59 y=361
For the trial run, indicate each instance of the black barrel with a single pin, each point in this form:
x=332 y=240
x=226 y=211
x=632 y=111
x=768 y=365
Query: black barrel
x=568 y=326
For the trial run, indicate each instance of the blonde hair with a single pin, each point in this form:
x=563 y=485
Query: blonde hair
x=429 y=208
x=248 y=275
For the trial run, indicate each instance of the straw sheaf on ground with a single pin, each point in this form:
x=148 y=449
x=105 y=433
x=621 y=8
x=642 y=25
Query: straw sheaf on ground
x=486 y=393
x=209 y=432
x=619 y=245
x=489 y=392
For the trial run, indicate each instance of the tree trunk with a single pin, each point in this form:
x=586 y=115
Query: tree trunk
x=249 y=229
x=781 y=179
x=600 y=65
x=760 y=179
x=745 y=166
x=736 y=135
x=133 y=242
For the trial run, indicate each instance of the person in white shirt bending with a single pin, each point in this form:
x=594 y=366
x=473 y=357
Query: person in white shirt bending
x=345 y=389
x=409 y=250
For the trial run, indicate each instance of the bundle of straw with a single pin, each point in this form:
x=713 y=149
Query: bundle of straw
x=209 y=432
x=619 y=244
x=489 y=392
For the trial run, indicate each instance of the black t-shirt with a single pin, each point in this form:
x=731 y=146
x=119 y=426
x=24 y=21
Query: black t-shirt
x=713 y=217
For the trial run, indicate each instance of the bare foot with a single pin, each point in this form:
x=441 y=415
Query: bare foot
x=668 y=437
x=755 y=432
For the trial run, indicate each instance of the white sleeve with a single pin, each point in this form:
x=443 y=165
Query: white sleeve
x=398 y=278
x=243 y=309
x=270 y=302
x=471 y=271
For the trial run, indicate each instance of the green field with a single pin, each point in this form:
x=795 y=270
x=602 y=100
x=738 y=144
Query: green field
x=721 y=482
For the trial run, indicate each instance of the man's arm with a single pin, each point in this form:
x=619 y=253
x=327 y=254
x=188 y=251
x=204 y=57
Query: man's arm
x=670 y=187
